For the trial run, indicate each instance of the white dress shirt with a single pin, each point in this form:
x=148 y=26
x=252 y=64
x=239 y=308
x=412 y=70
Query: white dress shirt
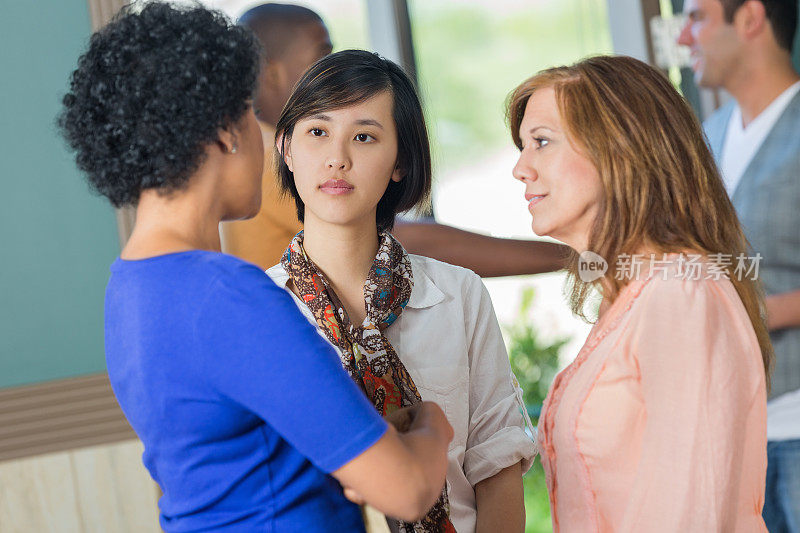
x=450 y=342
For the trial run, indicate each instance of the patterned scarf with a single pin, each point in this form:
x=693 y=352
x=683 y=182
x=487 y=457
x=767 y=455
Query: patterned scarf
x=366 y=353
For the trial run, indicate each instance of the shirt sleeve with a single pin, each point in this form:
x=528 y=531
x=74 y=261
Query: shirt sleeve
x=261 y=353
x=701 y=385
x=500 y=432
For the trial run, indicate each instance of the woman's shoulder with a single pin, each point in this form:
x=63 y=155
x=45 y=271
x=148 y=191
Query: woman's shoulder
x=224 y=279
x=232 y=273
x=441 y=272
x=694 y=319
x=440 y=283
x=187 y=266
x=683 y=280
x=691 y=301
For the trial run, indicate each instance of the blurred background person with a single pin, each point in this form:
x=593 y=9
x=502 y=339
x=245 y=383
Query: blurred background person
x=745 y=48
x=292 y=38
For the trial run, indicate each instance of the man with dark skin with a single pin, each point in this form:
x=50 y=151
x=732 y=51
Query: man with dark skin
x=294 y=37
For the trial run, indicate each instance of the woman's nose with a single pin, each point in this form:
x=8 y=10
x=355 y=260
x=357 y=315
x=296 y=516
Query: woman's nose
x=338 y=161
x=523 y=170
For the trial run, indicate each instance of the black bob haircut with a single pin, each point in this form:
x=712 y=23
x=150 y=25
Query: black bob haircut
x=348 y=78
x=151 y=92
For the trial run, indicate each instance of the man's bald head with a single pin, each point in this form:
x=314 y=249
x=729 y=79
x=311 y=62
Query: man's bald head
x=276 y=25
x=293 y=38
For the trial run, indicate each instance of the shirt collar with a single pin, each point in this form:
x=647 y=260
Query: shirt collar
x=424 y=294
x=278 y=275
x=770 y=115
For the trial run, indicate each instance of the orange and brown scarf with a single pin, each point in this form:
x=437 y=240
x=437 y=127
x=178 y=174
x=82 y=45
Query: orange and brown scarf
x=366 y=353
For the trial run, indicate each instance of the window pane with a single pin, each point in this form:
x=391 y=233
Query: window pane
x=470 y=55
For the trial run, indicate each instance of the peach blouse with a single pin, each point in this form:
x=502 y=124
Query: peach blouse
x=660 y=422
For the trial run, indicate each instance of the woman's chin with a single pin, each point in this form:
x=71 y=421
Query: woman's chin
x=240 y=214
x=249 y=212
x=341 y=217
x=540 y=230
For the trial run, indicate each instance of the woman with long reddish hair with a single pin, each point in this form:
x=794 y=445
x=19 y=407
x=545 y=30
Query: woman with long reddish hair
x=659 y=424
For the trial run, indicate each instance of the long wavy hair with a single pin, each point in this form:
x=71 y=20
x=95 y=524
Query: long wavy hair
x=661 y=187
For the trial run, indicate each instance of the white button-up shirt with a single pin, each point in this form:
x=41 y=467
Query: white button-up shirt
x=449 y=340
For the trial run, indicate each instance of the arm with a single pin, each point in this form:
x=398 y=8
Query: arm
x=500 y=502
x=498 y=450
x=783 y=310
x=261 y=353
x=412 y=467
x=484 y=255
x=703 y=404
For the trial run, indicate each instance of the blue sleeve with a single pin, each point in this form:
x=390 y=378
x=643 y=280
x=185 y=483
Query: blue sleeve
x=259 y=351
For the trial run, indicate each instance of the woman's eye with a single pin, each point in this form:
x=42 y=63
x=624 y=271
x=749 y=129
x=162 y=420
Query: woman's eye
x=364 y=137
x=541 y=142
x=317 y=132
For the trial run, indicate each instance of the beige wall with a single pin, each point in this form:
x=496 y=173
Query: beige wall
x=102 y=489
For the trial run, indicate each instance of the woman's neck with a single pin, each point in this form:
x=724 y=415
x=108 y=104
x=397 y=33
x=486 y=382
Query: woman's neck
x=186 y=220
x=345 y=255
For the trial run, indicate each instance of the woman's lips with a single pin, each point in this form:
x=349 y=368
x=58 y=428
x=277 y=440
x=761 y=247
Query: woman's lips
x=336 y=187
x=534 y=199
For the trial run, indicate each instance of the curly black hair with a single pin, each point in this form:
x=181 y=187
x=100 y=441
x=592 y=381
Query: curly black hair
x=151 y=92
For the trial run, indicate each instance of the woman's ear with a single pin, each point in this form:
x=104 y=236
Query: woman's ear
x=398 y=173
x=284 y=150
x=228 y=140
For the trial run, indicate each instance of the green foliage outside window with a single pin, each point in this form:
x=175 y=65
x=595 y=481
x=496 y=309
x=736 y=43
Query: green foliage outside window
x=535 y=363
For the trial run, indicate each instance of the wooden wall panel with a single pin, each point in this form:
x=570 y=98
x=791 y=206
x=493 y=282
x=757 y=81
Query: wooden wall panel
x=115 y=493
x=101 y=489
x=37 y=494
x=59 y=416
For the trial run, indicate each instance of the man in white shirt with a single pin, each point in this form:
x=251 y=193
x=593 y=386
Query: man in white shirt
x=744 y=46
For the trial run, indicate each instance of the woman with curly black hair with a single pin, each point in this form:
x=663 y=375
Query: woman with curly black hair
x=242 y=406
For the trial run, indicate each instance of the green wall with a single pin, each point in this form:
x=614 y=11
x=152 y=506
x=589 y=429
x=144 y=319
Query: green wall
x=57 y=238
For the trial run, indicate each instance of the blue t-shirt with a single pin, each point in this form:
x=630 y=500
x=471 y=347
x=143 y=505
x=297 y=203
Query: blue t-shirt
x=243 y=408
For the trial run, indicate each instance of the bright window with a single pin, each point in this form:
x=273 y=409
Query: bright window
x=470 y=55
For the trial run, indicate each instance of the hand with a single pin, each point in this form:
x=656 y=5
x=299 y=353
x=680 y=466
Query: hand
x=413 y=466
x=402 y=419
x=353 y=496
x=431 y=417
